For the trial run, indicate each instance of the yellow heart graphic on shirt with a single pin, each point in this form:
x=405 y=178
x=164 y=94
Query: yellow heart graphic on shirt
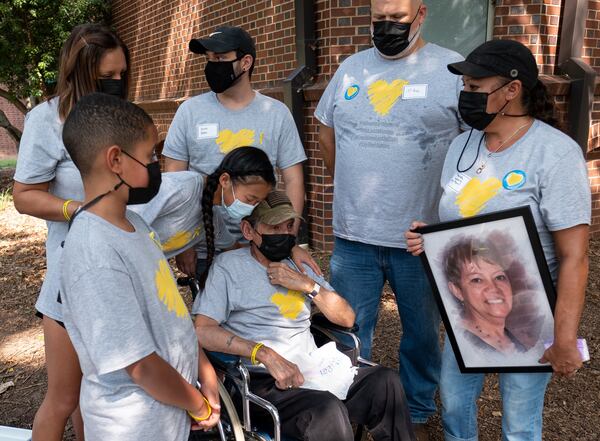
x=167 y=291
x=473 y=197
x=383 y=95
x=290 y=305
x=229 y=140
x=180 y=239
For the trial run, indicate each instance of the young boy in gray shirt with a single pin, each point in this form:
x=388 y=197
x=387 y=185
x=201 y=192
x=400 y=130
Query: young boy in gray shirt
x=129 y=325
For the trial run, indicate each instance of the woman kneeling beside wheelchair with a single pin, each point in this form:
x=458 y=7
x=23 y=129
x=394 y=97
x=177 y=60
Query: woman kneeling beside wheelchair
x=256 y=304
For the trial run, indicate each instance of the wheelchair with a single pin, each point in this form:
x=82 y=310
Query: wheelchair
x=259 y=419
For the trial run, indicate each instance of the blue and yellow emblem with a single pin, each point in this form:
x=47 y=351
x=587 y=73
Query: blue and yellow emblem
x=514 y=180
x=351 y=92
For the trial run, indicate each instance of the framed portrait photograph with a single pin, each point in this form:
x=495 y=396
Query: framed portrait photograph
x=494 y=290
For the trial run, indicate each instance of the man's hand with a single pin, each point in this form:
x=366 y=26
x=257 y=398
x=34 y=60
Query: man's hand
x=281 y=274
x=300 y=257
x=186 y=262
x=565 y=360
x=414 y=241
x=286 y=374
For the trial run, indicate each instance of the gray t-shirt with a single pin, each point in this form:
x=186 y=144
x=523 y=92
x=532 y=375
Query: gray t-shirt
x=175 y=213
x=545 y=169
x=121 y=304
x=44 y=158
x=393 y=122
x=240 y=297
x=203 y=131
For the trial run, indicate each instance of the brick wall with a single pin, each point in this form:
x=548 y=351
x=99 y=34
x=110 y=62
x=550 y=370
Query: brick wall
x=8 y=147
x=591 y=44
x=165 y=73
x=534 y=23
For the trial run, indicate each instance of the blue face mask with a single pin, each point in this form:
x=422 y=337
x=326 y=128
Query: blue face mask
x=238 y=209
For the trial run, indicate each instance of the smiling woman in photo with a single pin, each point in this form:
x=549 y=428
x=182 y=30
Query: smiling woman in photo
x=478 y=272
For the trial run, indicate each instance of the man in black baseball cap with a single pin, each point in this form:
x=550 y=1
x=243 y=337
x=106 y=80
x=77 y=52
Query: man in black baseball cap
x=221 y=74
x=232 y=115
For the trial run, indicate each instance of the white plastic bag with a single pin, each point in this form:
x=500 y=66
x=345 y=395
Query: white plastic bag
x=327 y=369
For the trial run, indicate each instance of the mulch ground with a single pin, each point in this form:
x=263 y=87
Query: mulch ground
x=572 y=410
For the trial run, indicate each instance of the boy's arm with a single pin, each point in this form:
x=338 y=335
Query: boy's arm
x=210 y=388
x=163 y=383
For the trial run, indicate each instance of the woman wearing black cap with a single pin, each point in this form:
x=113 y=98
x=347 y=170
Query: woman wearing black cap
x=512 y=157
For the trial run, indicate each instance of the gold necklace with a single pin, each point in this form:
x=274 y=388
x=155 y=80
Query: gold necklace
x=484 y=163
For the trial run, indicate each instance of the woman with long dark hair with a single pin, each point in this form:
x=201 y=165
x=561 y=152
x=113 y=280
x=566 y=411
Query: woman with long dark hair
x=48 y=186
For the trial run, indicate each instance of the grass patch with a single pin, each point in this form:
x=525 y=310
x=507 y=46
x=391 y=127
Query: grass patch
x=8 y=163
x=5 y=198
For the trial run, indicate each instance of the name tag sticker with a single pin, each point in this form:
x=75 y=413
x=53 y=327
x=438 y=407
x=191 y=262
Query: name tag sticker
x=458 y=182
x=208 y=131
x=414 y=92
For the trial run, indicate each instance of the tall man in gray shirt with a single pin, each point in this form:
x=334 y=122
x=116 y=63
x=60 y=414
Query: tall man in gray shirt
x=232 y=115
x=387 y=118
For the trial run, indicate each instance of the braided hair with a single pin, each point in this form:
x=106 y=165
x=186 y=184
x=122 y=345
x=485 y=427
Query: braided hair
x=244 y=165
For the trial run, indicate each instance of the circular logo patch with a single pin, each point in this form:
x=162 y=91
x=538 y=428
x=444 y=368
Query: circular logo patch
x=351 y=92
x=514 y=179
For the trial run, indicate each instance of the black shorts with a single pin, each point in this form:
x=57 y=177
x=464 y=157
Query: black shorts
x=40 y=315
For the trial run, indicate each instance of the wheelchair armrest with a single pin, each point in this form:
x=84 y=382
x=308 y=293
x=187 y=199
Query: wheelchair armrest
x=318 y=319
x=229 y=363
x=224 y=362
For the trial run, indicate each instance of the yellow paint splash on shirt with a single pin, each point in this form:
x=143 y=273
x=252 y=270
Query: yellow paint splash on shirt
x=167 y=292
x=177 y=241
x=290 y=305
x=154 y=239
x=473 y=197
x=383 y=95
x=229 y=140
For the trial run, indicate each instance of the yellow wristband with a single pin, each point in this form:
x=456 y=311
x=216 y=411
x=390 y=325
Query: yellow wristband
x=65 y=209
x=200 y=419
x=255 y=351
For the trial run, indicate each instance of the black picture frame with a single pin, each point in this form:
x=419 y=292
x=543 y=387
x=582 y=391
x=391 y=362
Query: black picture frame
x=474 y=354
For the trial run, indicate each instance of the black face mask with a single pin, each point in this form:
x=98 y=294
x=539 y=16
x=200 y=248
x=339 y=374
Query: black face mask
x=112 y=87
x=277 y=247
x=220 y=75
x=473 y=108
x=390 y=37
x=143 y=195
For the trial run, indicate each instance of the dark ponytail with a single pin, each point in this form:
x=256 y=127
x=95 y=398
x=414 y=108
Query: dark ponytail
x=538 y=104
x=244 y=165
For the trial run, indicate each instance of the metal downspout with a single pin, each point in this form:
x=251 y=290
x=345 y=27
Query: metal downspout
x=582 y=75
x=302 y=76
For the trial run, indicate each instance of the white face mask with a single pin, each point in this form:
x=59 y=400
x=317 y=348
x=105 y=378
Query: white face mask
x=238 y=209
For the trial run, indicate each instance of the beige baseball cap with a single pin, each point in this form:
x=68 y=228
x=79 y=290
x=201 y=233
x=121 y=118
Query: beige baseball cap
x=275 y=209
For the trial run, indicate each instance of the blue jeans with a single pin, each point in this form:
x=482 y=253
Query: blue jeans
x=358 y=272
x=522 y=402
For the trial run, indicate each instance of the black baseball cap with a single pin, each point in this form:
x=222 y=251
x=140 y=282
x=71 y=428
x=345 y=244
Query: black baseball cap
x=225 y=39
x=507 y=58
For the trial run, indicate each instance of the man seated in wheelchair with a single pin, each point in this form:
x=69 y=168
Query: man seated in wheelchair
x=256 y=304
